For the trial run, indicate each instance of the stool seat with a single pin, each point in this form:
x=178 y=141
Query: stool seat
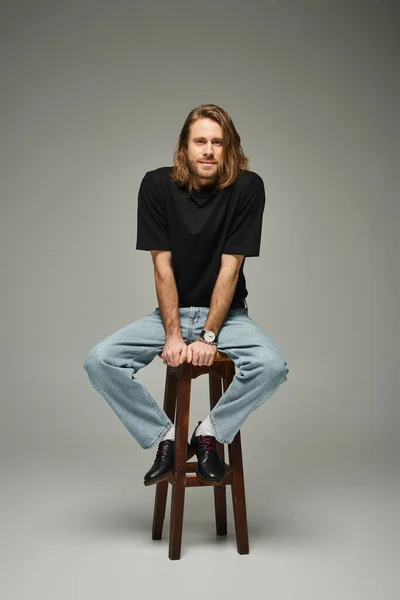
x=221 y=357
x=177 y=407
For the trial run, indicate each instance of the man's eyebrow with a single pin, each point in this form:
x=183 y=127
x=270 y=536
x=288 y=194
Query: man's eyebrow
x=201 y=137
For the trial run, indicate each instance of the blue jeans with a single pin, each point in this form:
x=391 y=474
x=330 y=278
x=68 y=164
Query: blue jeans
x=112 y=366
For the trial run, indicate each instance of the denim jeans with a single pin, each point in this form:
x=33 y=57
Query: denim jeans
x=113 y=364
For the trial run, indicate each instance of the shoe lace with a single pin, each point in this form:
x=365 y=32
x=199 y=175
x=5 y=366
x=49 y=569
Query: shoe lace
x=161 y=450
x=207 y=442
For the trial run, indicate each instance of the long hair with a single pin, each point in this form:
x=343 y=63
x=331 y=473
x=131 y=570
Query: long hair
x=234 y=161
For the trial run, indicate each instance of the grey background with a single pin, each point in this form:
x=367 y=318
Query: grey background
x=93 y=95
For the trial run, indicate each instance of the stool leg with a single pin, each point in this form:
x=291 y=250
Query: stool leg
x=238 y=495
x=219 y=490
x=238 y=490
x=179 y=483
x=160 y=500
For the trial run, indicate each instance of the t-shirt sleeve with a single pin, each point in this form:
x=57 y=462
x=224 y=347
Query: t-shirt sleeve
x=152 y=224
x=245 y=233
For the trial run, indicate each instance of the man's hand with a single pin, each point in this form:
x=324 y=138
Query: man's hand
x=201 y=354
x=174 y=352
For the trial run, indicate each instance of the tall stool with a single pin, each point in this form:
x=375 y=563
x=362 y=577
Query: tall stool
x=177 y=406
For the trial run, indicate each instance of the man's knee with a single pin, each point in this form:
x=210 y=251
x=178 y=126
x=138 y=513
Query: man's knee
x=271 y=365
x=281 y=370
x=95 y=359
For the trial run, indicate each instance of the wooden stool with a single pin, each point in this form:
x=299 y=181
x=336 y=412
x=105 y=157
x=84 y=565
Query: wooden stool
x=177 y=405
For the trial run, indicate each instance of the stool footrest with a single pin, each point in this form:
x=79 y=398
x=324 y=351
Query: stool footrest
x=191 y=467
x=194 y=481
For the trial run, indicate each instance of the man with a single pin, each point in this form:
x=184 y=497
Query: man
x=199 y=219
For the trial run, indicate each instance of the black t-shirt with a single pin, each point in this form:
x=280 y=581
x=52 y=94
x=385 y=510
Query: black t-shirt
x=198 y=228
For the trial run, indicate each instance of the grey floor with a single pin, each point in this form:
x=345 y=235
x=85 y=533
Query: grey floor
x=78 y=525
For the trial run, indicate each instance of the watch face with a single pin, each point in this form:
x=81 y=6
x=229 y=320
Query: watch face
x=209 y=336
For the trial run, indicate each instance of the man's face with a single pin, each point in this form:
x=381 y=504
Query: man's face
x=205 y=149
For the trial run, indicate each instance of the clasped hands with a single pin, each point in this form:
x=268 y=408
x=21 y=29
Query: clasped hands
x=176 y=352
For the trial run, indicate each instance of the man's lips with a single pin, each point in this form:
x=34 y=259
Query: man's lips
x=207 y=162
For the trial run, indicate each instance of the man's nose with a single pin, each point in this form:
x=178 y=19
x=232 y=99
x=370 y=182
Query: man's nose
x=208 y=149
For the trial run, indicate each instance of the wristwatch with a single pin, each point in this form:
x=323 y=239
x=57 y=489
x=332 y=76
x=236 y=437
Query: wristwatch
x=208 y=336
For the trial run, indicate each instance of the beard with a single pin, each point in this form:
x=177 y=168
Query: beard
x=203 y=173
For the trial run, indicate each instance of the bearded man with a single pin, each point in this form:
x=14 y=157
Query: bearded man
x=200 y=219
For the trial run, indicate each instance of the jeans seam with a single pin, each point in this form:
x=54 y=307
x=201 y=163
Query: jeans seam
x=155 y=405
x=217 y=436
x=158 y=436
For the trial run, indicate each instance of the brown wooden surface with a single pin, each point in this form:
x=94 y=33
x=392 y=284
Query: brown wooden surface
x=160 y=501
x=237 y=488
x=177 y=406
x=221 y=522
x=179 y=485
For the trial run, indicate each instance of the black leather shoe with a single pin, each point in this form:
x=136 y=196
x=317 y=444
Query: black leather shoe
x=163 y=465
x=210 y=468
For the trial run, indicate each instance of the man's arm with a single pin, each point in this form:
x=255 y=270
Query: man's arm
x=167 y=294
x=224 y=290
x=200 y=353
x=175 y=349
x=243 y=240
